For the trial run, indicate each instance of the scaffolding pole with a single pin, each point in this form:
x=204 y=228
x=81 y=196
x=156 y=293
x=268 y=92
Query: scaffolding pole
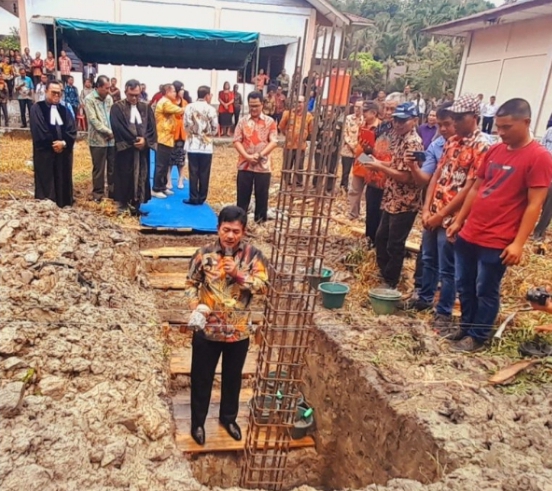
x=305 y=199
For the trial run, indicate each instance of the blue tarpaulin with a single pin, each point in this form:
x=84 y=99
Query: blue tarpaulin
x=175 y=47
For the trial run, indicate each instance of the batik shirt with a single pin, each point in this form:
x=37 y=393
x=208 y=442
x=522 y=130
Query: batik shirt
x=255 y=135
x=459 y=164
x=227 y=297
x=401 y=197
x=351 y=130
x=201 y=124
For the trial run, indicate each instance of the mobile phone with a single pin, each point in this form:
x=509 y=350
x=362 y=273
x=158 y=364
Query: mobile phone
x=419 y=156
x=366 y=159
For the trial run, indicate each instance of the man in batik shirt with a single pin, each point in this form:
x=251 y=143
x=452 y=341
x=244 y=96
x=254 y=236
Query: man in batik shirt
x=222 y=280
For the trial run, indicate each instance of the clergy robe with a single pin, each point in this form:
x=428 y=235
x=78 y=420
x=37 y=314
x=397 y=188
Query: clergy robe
x=132 y=167
x=53 y=172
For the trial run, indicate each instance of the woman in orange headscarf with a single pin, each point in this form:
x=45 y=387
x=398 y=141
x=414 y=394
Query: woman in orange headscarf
x=178 y=155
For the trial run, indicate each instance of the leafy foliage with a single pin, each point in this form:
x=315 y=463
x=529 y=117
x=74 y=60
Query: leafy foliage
x=11 y=41
x=369 y=74
x=396 y=39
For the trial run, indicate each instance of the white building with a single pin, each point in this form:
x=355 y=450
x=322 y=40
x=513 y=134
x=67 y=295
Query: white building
x=508 y=53
x=280 y=22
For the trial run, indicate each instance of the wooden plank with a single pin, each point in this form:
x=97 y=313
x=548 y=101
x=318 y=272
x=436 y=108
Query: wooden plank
x=216 y=437
x=181 y=362
x=413 y=246
x=168 y=281
x=358 y=232
x=169 y=252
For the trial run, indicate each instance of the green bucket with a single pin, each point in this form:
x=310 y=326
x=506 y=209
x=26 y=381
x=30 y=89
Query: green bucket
x=384 y=300
x=315 y=279
x=304 y=421
x=333 y=294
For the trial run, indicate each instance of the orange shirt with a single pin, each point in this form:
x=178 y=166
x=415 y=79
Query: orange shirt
x=366 y=137
x=179 y=131
x=291 y=124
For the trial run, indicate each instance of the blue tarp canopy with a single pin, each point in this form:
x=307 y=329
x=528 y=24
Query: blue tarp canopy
x=174 y=47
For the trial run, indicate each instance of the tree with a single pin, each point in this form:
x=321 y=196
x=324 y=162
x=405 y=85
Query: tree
x=11 y=41
x=368 y=74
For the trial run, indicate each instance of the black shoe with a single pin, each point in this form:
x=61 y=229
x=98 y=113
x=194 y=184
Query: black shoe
x=233 y=430
x=415 y=304
x=190 y=202
x=198 y=434
x=537 y=348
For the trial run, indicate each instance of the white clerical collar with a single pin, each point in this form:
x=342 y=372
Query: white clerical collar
x=135 y=117
x=55 y=118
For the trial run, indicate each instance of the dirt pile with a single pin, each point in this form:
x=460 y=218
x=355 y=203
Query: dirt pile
x=83 y=401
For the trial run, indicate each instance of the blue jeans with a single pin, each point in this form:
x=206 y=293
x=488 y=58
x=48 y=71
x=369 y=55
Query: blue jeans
x=438 y=262
x=478 y=276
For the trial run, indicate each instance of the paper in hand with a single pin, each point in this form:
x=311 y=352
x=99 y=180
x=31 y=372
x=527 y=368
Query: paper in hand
x=366 y=159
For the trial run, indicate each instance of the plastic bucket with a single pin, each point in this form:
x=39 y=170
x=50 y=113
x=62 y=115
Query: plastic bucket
x=384 y=300
x=315 y=279
x=262 y=408
x=333 y=294
x=302 y=424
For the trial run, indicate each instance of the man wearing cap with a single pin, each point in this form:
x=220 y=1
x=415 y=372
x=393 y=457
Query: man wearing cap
x=401 y=195
x=448 y=188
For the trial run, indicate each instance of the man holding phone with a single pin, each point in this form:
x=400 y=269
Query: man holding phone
x=456 y=172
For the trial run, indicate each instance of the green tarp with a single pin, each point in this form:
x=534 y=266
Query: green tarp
x=127 y=44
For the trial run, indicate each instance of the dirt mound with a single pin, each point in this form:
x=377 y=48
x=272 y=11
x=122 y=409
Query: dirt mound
x=83 y=401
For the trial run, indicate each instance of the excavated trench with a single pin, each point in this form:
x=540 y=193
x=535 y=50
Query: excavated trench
x=360 y=439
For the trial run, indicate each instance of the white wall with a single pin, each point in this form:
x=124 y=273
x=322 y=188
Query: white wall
x=7 y=21
x=513 y=60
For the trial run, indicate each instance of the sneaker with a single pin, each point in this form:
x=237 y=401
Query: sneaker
x=467 y=345
x=168 y=192
x=452 y=333
x=537 y=348
x=442 y=322
x=158 y=194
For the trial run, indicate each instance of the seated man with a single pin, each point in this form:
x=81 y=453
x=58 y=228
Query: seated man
x=223 y=278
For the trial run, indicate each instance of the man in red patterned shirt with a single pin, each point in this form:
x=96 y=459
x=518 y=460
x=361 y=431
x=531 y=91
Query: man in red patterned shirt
x=65 y=66
x=255 y=137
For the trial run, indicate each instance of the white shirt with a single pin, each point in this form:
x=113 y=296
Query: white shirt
x=201 y=125
x=489 y=111
x=40 y=92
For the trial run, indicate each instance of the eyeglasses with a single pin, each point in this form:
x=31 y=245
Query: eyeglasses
x=55 y=92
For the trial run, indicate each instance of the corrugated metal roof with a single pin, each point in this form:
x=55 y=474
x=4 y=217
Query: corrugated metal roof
x=515 y=12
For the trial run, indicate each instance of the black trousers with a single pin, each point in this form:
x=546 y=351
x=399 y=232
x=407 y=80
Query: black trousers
x=330 y=169
x=248 y=181
x=199 y=165
x=346 y=164
x=102 y=158
x=4 y=109
x=24 y=106
x=373 y=211
x=296 y=162
x=390 y=244
x=237 y=113
x=487 y=126
x=162 y=162
x=205 y=356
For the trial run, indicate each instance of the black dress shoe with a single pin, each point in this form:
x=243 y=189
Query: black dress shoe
x=233 y=430
x=190 y=202
x=198 y=434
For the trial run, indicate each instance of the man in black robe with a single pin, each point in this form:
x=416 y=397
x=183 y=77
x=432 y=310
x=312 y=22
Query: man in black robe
x=133 y=126
x=54 y=133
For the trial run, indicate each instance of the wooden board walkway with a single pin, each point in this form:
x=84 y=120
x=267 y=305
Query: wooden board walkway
x=181 y=362
x=169 y=252
x=216 y=437
x=168 y=281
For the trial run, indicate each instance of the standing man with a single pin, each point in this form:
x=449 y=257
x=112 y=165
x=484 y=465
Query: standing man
x=72 y=95
x=114 y=91
x=255 y=137
x=280 y=105
x=283 y=82
x=24 y=89
x=351 y=129
x=54 y=133
x=133 y=126
x=65 y=66
x=489 y=113
x=260 y=81
x=222 y=280
x=427 y=130
x=462 y=156
x=420 y=106
x=401 y=195
x=201 y=124
x=40 y=89
x=4 y=99
x=97 y=106
x=291 y=124
x=238 y=104
x=89 y=72
x=495 y=221
x=546 y=215
x=166 y=111
x=86 y=90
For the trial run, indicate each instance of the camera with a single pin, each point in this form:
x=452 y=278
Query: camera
x=538 y=295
